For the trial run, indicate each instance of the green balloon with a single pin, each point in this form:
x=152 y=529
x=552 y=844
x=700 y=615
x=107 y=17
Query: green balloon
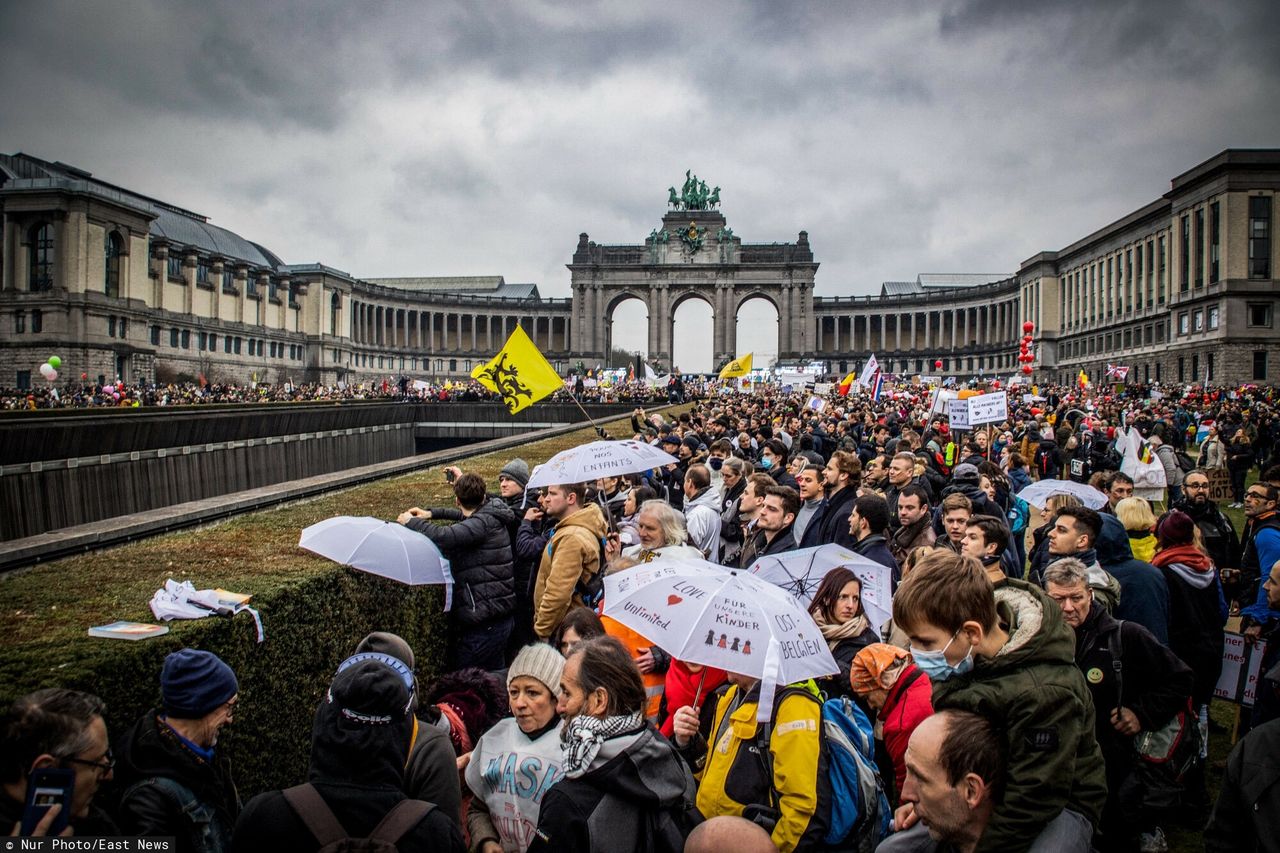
x=55 y=362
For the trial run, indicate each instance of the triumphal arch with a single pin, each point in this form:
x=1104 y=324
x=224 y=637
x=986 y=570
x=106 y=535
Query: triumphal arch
x=692 y=254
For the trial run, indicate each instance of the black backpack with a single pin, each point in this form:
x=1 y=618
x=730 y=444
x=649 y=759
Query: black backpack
x=315 y=813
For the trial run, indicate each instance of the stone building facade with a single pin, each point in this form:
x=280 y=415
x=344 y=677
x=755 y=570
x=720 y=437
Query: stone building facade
x=125 y=286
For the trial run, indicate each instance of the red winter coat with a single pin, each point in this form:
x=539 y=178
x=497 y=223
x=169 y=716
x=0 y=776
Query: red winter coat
x=682 y=689
x=905 y=708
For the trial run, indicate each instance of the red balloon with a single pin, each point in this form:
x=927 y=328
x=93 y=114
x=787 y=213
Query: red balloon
x=1026 y=368
x=938 y=364
x=1028 y=327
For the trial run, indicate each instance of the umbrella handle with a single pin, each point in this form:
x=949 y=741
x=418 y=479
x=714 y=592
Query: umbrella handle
x=697 y=697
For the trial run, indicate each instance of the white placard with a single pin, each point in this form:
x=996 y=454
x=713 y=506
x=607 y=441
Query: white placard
x=1241 y=667
x=988 y=408
x=958 y=414
x=877 y=592
x=823 y=388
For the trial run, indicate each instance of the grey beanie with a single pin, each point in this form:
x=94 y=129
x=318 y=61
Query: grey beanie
x=538 y=661
x=517 y=470
x=387 y=643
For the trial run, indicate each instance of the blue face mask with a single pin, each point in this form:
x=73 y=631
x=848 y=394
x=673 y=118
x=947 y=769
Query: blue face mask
x=935 y=664
x=766 y=462
x=715 y=462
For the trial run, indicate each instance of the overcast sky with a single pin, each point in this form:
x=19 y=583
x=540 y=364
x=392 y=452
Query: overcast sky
x=403 y=139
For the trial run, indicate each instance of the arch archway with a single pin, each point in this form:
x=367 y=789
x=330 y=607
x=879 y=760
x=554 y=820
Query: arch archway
x=692 y=336
x=626 y=330
x=757 y=324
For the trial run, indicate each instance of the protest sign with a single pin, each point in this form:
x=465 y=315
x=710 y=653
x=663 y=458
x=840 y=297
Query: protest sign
x=1241 y=665
x=1219 y=485
x=823 y=388
x=958 y=414
x=988 y=408
x=877 y=591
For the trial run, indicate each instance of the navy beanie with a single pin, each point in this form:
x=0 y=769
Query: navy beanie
x=194 y=682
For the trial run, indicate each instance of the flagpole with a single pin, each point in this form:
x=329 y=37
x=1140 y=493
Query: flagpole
x=600 y=432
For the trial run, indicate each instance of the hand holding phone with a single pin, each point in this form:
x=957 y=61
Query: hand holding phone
x=49 y=791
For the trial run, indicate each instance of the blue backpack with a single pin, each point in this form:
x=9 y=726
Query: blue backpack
x=860 y=813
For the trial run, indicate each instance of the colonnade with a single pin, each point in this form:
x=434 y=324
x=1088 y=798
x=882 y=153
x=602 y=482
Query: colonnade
x=452 y=330
x=929 y=331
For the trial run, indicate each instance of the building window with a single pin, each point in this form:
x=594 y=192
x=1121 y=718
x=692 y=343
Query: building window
x=226 y=344
x=228 y=279
x=111 y=327
x=1259 y=236
x=1183 y=325
x=1199 y=244
x=124 y=328
x=1195 y=366
x=186 y=339
x=273 y=288
x=155 y=336
x=1157 y=371
x=23 y=380
x=1260 y=364
x=251 y=284
x=112 y=249
x=173 y=338
x=1128 y=338
x=203 y=343
x=1213 y=318
x=237 y=346
x=213 y=342
x=1259 y=314
x=1184 y=256
x=1197 y=321
x=1182 y=369
x=1215 y=241
x=40 y=257
x=37 y=321
x=293 y=295
x=202 y=273
x=1151 y=273
x=1161 y=281
x=1147 y=335
x=19 y=322
x=1208 y=366
x=174 y=266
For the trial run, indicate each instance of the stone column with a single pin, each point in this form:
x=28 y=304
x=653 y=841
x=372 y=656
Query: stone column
x=655 y=322
x=897 y=332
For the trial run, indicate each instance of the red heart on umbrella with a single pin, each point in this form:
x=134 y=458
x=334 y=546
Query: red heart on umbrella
x=674 y=599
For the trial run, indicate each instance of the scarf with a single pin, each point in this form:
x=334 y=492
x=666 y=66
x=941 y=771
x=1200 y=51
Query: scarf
x=834 y=632
x=1188 y=555
x=582 y=737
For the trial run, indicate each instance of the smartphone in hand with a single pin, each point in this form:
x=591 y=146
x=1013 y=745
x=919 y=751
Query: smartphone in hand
x=47 y=787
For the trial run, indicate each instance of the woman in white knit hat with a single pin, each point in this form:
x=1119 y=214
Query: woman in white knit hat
x=516 y=761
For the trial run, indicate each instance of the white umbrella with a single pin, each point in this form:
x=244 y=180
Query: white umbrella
x=800 y=573
x=380 y=548
x=703 y=613
x=1038 y=493
x=587 y=462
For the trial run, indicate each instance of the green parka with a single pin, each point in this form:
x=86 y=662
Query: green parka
x=1034 y=692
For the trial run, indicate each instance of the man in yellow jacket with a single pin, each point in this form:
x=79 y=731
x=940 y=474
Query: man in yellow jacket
x=572 y=555
x=790 y=783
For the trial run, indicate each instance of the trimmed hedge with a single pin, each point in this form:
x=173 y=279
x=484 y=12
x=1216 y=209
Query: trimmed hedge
x=314 y=613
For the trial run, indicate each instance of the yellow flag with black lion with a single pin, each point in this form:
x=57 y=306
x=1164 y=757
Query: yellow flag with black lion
x=519 y=373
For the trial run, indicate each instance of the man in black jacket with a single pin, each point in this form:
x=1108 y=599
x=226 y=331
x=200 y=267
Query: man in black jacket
x=55 y=728
x=1216 y=530
x=175 y=782
x=869 y=526
x=478 y=548
x=359 y=744
x=774 y=524
x=1142 y=693
x=831 y=522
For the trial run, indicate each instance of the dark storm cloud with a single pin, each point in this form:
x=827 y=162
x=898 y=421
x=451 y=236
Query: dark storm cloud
x=396 y=138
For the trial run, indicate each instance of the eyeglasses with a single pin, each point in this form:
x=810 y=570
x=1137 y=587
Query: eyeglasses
x=104 y=764
x=1257 y=496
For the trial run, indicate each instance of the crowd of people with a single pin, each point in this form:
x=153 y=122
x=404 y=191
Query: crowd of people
x=397 y=389
x=1043 y=683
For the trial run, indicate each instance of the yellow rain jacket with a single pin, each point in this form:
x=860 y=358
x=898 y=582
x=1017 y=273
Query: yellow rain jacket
x=733 y=775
